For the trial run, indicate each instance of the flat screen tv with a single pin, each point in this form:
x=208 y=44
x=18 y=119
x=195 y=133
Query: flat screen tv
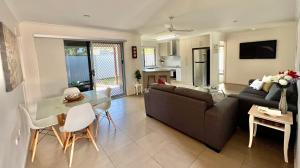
x=258 y=50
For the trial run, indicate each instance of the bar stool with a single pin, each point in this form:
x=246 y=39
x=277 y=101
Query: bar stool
x=163 y=77
x=151 y=77
x=138 y=88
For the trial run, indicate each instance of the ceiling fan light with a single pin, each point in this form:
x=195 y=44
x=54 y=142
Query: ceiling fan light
x=166 y=37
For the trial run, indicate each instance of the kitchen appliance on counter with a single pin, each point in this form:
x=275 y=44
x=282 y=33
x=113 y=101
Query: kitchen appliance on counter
x=173 y=73
x=201 y=66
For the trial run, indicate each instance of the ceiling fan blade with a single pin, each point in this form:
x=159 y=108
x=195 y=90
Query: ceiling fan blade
x=183 y=30
x=165 y=31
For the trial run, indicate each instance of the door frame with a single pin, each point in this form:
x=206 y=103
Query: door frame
x=87 y=45
x=121 y=43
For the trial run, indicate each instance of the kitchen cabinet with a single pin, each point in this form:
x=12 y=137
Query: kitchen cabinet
x=164 y=49
x=170 y=48
x=178 y=74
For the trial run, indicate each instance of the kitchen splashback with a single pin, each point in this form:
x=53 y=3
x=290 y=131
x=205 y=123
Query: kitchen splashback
x=170 y=61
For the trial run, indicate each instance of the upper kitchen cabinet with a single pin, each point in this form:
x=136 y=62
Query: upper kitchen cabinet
x=164 y=49
x=170 y=48
x=200 y=41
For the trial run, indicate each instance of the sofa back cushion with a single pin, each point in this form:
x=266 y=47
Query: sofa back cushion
x=166 y=88
x=195 y=94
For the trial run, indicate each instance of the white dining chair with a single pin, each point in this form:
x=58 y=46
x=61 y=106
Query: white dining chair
x=71 y=91
x=104 y=107
x=78 y=119
x=38 y=126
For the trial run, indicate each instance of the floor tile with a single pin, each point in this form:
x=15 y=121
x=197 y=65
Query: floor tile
x=172 y=156
x=128 y=154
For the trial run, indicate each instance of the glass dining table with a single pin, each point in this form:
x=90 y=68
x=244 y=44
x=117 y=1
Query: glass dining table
x=55 y=106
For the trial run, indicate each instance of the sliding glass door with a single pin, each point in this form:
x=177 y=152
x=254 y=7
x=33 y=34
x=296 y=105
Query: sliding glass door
x=107 y=63
x=77 y=56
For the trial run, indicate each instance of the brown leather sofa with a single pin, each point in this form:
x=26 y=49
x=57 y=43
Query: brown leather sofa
x=194 y=113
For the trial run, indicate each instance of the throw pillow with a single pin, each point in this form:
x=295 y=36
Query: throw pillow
x=267 y=86
x=257 y=84
x=267 y=79
x=274 y=93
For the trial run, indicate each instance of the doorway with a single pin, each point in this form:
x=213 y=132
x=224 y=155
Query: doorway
x=78 y=63
x=108 y=66
x=221 y=55
x=95 y=65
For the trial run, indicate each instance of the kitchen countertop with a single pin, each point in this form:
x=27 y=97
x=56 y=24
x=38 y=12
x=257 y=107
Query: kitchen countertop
x=157 y=70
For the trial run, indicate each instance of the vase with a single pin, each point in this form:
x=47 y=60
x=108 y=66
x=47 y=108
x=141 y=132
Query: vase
x=282 y=103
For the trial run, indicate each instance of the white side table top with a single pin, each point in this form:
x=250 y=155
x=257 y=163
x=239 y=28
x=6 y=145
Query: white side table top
x=284 y=119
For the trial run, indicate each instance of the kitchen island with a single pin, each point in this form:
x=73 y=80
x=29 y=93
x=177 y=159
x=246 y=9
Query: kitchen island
x=152 y=75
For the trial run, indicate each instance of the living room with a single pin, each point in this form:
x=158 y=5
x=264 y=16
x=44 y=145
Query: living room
x=160 y=105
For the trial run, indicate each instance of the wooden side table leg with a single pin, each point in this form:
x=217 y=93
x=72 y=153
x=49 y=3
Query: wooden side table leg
x=255 y=130
x=287 y=132
x=251 y=124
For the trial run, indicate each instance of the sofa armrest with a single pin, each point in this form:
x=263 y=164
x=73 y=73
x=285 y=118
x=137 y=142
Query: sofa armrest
x=220 y=122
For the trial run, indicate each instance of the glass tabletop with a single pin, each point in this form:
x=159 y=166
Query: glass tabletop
x=54 y=106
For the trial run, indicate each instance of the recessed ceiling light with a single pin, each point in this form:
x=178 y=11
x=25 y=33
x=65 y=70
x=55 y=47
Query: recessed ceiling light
x=253 y=28
x=86 y=15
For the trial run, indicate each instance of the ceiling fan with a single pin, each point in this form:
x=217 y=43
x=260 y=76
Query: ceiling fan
x=171 y=28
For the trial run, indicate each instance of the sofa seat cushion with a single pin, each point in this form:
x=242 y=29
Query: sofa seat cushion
x=166 y=88
x=195 y=94
x=252 y=91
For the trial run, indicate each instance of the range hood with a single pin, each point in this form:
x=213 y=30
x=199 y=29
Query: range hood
x=169 y=48
x=174 y=47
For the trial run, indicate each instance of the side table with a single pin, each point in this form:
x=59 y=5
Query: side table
x=281 y=123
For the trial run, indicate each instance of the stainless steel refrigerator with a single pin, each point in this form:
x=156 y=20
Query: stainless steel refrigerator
x=201 y=61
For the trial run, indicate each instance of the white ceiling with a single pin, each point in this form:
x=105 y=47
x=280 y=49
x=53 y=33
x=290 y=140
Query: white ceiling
x=149 y=16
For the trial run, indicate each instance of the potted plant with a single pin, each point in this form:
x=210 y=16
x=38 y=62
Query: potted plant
x=283 y=80
x=138 y=76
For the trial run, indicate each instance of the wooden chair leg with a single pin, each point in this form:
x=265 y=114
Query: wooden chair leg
x=33 y=134
x=67 y=142
x=58 y=138
x=92 y=138
x=72 y=150
x=36 y=138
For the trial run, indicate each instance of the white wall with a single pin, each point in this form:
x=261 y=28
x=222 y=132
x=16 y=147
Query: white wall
x=52 y=66
x=240 y=71
x=185 y=48
x=11 y=156
x=30 y=56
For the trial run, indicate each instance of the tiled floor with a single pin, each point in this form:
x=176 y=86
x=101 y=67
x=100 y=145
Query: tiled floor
x=142 y=142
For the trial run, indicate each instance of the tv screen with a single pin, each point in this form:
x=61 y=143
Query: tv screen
x=258 y=50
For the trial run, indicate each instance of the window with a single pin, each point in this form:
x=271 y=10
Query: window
x=149 y=57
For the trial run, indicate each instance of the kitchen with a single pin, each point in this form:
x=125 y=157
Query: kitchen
x=176 y=56
x=163 y=63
